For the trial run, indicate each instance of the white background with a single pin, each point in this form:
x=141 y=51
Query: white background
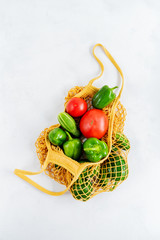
x=45 y=49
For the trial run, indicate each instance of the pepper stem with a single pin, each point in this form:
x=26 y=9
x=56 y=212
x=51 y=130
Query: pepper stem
x=114 y=88
x=69 y=136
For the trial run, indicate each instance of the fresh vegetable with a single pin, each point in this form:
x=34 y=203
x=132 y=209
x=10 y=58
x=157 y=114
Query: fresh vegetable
x=57 y=136
x=117 y=168
x=103 y=179
x=114 y=148
x=73 y=147
x=103 y=97
x=122 y=141
x=95 y=149
x=83 y=161
x=94 y=123
x=90 y=172
x=76 y=107
x=68 y=123
x=82 y=189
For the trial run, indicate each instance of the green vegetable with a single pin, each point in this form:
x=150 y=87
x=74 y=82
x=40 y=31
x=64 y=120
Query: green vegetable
x=114 y=148
x=57 y=136
x=82 y=189
x=122 y=141
x=103 y=180
x=103 y=97
x=68 y=123
x=95 y=149
x=117 y=169
x=83 y=161
x=73 y=147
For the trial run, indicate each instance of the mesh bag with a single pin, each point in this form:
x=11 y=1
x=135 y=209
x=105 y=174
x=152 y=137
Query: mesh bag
x=85 y=180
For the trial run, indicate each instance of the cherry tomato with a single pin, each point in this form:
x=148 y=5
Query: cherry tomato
x=94 y=123
x=76 y=107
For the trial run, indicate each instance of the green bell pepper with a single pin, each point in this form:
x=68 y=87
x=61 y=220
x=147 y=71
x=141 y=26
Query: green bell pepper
x=103 y=97
x=73 y=147
x=57 y=136
x=95 y=149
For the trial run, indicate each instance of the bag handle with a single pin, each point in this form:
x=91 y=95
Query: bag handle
x=102 y=70
x=102 y=67
x=22 y=174
x=76 y=172
x=74 y=167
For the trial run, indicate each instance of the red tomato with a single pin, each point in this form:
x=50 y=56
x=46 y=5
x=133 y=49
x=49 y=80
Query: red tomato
x=76 y=107
x=94 y=123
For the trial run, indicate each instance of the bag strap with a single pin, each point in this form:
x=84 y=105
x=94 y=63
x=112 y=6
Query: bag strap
x=102 y=70
x=22 y=174
x=102 y=67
